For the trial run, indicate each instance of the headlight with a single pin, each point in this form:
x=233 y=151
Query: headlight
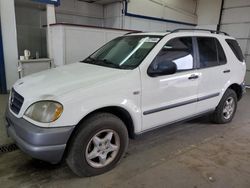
x=44 y=111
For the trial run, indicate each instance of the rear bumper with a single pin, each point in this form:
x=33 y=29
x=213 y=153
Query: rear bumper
x=243 y=87
x=243 y=90
x=46 y=144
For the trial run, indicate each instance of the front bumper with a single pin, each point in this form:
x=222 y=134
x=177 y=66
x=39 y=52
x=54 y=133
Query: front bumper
x=46 y=144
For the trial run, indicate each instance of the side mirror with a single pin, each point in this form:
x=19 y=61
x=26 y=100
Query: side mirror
x=162 y=68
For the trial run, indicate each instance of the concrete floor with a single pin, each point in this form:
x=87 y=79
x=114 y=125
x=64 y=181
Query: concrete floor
x=194 y=154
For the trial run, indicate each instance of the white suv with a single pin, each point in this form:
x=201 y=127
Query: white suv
x=87 y=111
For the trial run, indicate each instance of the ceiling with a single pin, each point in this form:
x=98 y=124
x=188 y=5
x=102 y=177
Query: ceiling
x=103 y=2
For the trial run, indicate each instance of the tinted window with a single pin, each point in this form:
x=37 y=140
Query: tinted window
x=235 y=48
x=221 y=54
x=179 y=51
x=207 y=52
x=211 y=52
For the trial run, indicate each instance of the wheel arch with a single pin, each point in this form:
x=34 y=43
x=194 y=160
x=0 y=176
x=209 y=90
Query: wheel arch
x=238 y=90
x=120 y=112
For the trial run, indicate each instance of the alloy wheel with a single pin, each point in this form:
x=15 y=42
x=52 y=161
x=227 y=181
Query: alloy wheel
x=229 y=107
x=102 y=148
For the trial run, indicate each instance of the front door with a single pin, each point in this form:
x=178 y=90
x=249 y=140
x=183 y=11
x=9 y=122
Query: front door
x=170 y=98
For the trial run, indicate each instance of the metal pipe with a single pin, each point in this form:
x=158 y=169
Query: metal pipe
x=221 y=10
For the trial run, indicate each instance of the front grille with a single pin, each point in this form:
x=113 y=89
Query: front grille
x=16 y=101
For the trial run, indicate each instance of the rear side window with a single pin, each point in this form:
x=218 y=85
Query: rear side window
x=221 y=54
x=236 y=49
x=211 y=52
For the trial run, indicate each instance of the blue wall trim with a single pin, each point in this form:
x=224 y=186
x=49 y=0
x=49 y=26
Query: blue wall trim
x=154 y=18
x=53 y=2
x=3 y=88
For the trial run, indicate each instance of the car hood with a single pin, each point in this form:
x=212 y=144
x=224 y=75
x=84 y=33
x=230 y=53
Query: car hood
x=58 y=81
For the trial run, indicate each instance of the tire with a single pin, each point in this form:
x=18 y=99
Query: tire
x=220 y=116
x=92 y=139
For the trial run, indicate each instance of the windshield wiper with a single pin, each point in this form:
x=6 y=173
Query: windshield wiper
x=107 y=62
x=103 y=62
x=127 y=66
x=88 y=60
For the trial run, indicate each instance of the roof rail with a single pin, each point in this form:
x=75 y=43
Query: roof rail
x=208 y=30
x=133 y=32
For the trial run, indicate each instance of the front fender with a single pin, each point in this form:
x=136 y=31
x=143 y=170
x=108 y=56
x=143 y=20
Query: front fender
x=76 y=110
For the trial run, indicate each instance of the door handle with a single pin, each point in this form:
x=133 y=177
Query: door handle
x=227 y=71
x=193 y=77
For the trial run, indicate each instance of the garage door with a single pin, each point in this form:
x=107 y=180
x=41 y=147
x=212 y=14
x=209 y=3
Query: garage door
x=236 y=21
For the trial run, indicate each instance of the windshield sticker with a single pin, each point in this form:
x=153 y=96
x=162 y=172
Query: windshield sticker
x=153 y=40
x=167 y=47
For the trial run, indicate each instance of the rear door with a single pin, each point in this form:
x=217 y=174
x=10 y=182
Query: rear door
x=214 y=72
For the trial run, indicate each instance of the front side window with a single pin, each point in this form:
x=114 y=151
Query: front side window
x=125 y=52
x=211 y=52
x=178 y=51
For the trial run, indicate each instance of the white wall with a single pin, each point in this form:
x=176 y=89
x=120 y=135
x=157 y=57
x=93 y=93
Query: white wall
x=8 y=24
x=150 y=25
x=78 y=12
x=177 y=10
x=74 y=43
x=113 y=16
x=236 y=22
x=208 y=13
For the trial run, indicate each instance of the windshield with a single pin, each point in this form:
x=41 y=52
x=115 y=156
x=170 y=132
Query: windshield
x=125 y=52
